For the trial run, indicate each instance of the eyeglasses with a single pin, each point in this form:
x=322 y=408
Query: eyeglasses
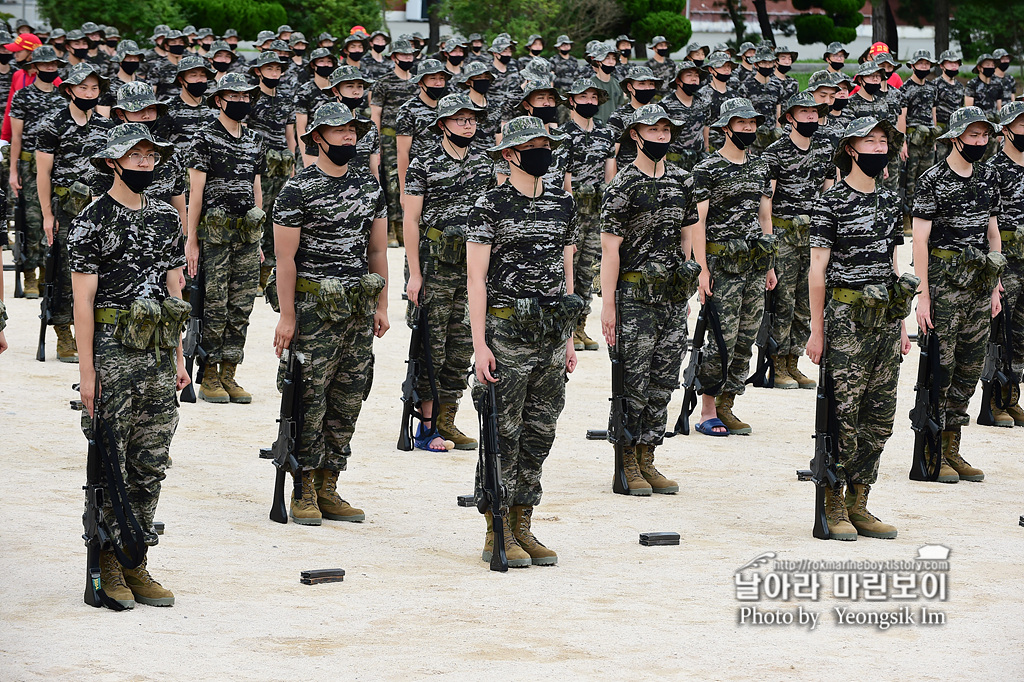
x=463 y=120
x=138 y=158
x=236 y=97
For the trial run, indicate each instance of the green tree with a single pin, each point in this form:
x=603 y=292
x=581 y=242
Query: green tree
x=131 y=17
x=245 y=16
x=518 y=18
x=312 y=17
x=984 y=25
x=837 y=21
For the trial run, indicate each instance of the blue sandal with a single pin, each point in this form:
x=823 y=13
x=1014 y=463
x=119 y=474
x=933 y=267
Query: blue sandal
x=423 y=437
x=708 y=427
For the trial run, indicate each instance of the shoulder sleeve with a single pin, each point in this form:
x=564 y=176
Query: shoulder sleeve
x=770 y=158
x=83 y=242
x=288 y=207
x=614 y=207
x=198 y=154
x=925 y=206
x=404 y=122
x=175 y=244
x=690 y=211
x=47 y=138
x=993 y=182
x=702 y=183
x=482 y=216
x=380 y=207
x=416 y=178
x=17 y=108
x=572 y=227
x=823 y=224
x=766 y=177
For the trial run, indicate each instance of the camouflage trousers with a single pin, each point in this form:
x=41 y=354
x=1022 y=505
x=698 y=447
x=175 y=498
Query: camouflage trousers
x=139 y=404
x=792 y=302
x=587 y=257
x=864 y=363
x=232 y=273
x=942 y=149
x=336 y=371
x=739 y=299
x=271 y=187
x=531 y=395
x=451 y=341
x=35 y=238
x=63 y=312
x=919 y=159
x=389 y=171
x=653 y=342
x=1013 y=303
x=963 y=320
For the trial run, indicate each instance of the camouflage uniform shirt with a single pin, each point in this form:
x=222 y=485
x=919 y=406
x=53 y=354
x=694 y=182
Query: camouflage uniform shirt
x=713 y=100
x=72 y=147
x=231 y=165
x=414 y=119
x=896 y=101
x=269 y=116
x=985 y=94
x=878 y=108
x=734 y=193
x=958 y=207
x=764 y=96
x=1010 y=176
x=694 y=117
x=567 y=70
x=948 y=98
x=390 y=93
x=373 y=69
x=184 y=121
x=798 y=175
x=617 y=123
x=309 y=97
x=130 y=251
x=449 y=187
x=862 y=230
x=336 y=216
x=920 y=99
x=590 y=150
x=32 y=106
x=522 y=230
x=666 y=70
x=164 y=75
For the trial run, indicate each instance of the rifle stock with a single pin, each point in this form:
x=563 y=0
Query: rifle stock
x=51 y=292
x=285 y=449
x=826 y=442
x=493 y=489
x=419 y=361
x=618 y=433
x=192 y=344
x=998 y=380
x=925 y=417
x=708 y=316
x=767 y=346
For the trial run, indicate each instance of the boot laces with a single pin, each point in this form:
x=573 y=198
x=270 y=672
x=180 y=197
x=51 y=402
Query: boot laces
x=112 y=568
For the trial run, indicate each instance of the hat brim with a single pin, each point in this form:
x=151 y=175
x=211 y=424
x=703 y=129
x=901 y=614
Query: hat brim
x=522 y=137
x=746 y=112
x=436 y=124
x=104 y=83
x=641 y=79
x=362 y=127
x=960 y=128
x=420 y=76
x=121 y=146
x=526 y=95
x=842 y=159
x=132 y=107
x=252 y=69
x=846 y=55
x=910 y=64
x=55 y=60
x=675 y=124
x=822 y=108
x=602 y=95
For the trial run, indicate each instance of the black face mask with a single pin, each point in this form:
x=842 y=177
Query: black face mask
x=136 y=180
x=237 y=111
x=455 y=59
x=352 y=102
x=1016 y=140
x=663 y=51
x=587 y=110
x=222 y=67
x=80 y=52
x=461 y=141
x=608 y=69
x=47 y=76
x=565 y=53
x=952 y=73
x=546 y=114
x=806 y=128
x=698 y=62
x=234 y=46
x=922 y=73
x=130 y=67
x=59 y=46
x=404 y=64
x=972 y=153
x=838 y=66
x=84 y=104
x=340 y=154
x=534 y=161
x=197 y=89
x=6 y=58
x=476 y=48
x=765 y=70
x=376 y=48
x=742 y=140
x=355 y=55
x=988 y=71
x=626 y=53
x=536 y=53
x=482 y=86
x=270 y=83
x=324 y=71
x=723 y=77
x=690 y=88
x=839 y=104
x=1003 y=66
x=299 y=51
x=655 y=151
x=91 y=43
x=176 y=49
x=504 y=58
x=872 y=164
x=644 y=96
x=785 y=68
x=436 y=93
x=872 y=88
x=112 y=43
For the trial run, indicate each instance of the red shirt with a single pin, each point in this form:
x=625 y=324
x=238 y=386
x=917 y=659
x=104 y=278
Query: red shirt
x=19 y=80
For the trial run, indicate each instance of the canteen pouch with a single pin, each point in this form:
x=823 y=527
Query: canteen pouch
x=213 y=228
x=684 y=281
x=78 y=197
x=798 y=234
x=1014 y=246
x=735 y=258
x=903 y=296
x=365 y=294
x=995 y=263
x=332 y=301
x=871 y=308
x=966 y=267
x=136 y=327
x=654 y=278
x=565 y=316
x=250 y=227
x=174 y=315
x=450 y=247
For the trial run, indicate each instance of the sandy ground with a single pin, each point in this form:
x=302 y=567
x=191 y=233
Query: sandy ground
x=417 y=602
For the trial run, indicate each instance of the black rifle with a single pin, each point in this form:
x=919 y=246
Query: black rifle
x=826 y=444
x=998 y=380
x=419 y=361
x=285 y=449
x=691 y=383
x=493 y=490
x=51 y=296
x=767 y=346
x=192 y=345
x=104 y=481
x=926 y=417
x=20 y=240
x=618 y=434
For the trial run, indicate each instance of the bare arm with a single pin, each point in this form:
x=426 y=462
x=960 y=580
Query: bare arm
x=377 y=257
x=610 y=244
x=699 y=245
x=412 y=207
x=17 y=128
x=84 y=288
x=609 y=170
x=286 y=245
x=404 y=144
x=375 y=115
x=44 y=166
x=816 y=296
x=478 y=259
x=375 y=166
x=197 y=184
x=922 y=232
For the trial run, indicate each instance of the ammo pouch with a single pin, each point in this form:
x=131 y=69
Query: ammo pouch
x=335 y=302
x=903 y=296
x=270 y=292
x=871 y=309
x=30 y=159
x=1013 y=243
x=534 y=320
x=136 y=327
x=250 y=227
x=966 y=268
x=796 y=232
x=448 y=246
x=214 y=227
x=657 y=284
x=995 y=263
x=733 y=256
x=920 y=136
x=280 y=163
x=588 y=200
x=173 y=316
x=73 y=199
x=217 y=227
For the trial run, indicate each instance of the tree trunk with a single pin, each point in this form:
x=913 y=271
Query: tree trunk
x=433 y=15
x=734 y=10
x=892 y=38
x=941 y=27
x=763 y=20
x=878 y=8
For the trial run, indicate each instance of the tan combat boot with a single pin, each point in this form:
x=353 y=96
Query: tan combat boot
x=211 y=389
x=801 y=378
x=580 y=339
x=839 y=526
x=520 y=522
x=449 y=431
x=67 y=349
x=31 y=286
x=782 y=377
x=1014 y=410
x=331 y=505
x=865 y=522
x=658 y=482
x=304 y=510
x=516 y=555
x=1001 y=417
x=112 y=580
x=951 y=453
x=236 y=393
x=723 y=405
x=146 y=590
x=392 y=236
x=635 y=480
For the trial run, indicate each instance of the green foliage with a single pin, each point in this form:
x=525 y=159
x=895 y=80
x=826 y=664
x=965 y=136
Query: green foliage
x=312 y=17
x=984 y=25
x=635 y=9
x=245 y=16
x=834 y=7
x=852 y=20
x=131 y=17
x=813 y=28
x=844 y=34
x=674 y=26
x=839 y=21
x=519 y=18
x=803 y=5
x=673 y=6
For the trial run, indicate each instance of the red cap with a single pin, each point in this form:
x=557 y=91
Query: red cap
x=25 y=41
x=357 y=29
x=877 y=49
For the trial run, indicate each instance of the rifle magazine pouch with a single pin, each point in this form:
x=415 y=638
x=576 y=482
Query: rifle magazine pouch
x=250 y=228
x=965 y=268
x=270 y=292
x=77 y=198
x=174 y=315
x=332 y=302
x=570 y=308
x=365 y=296
x=903 y=296
x=684 y=281
x=995 y=263
x=214 y=226
x=1013 y=247
x=450 y=247
x=136 y=328
x=872 y=307
x=735 y=257
x=651 y=286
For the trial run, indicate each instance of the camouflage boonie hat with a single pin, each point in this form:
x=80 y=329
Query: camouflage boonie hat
x=399 y=46
x=687 y=65
x=963 y=117
x=737 y=107
x=861 y=127
x=77 y=75
x=866 y=69
x=581 y=85
x=648 y=115
x=111 y=32
x=722 y=47
x=171 y=35
x=835 y=47
x=76 y=34
x=532 y=38
x=43 y=54
x=655 y=40
x=1010 y=112
x=204 y=33
x=297 y=38
x=982 y=57
x=428 y=67
x=764 y=53
x=230 y=33
x=820 y=79
x=326 y=36
x=232 y=82
x=334 y=114
x=624 y=39
x=158 y=32
x=638 y=74
x=354 y=38
x=127 y=48
x=839 y=78
x=562 y=40
x=717 y=60
x=378 y=32
x=5 y=37
x=194 y=61
x=747 y=47
x=284 y=28
x=91 y=27
x=449 y=105
x=279 y=45
x=266 y=58
x=122 y=138
x=601 y=50
x=537 y=68
x=782 y=49
x=521 y=130
x=189 y=30
x=320 y=53
x=264 y=36
x=472 y=70
x=1000 y=53
x=58 y=33
x=136 y=96
x=918 y=56
x=951 y=56
x=454 y=42
x=804 y=99
x=475 y=36
x=346 y=73
x=886 y=58
x=695 y=47
x=499 y=45
x=532 y=86
x=221 y=46
x=20 y=22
